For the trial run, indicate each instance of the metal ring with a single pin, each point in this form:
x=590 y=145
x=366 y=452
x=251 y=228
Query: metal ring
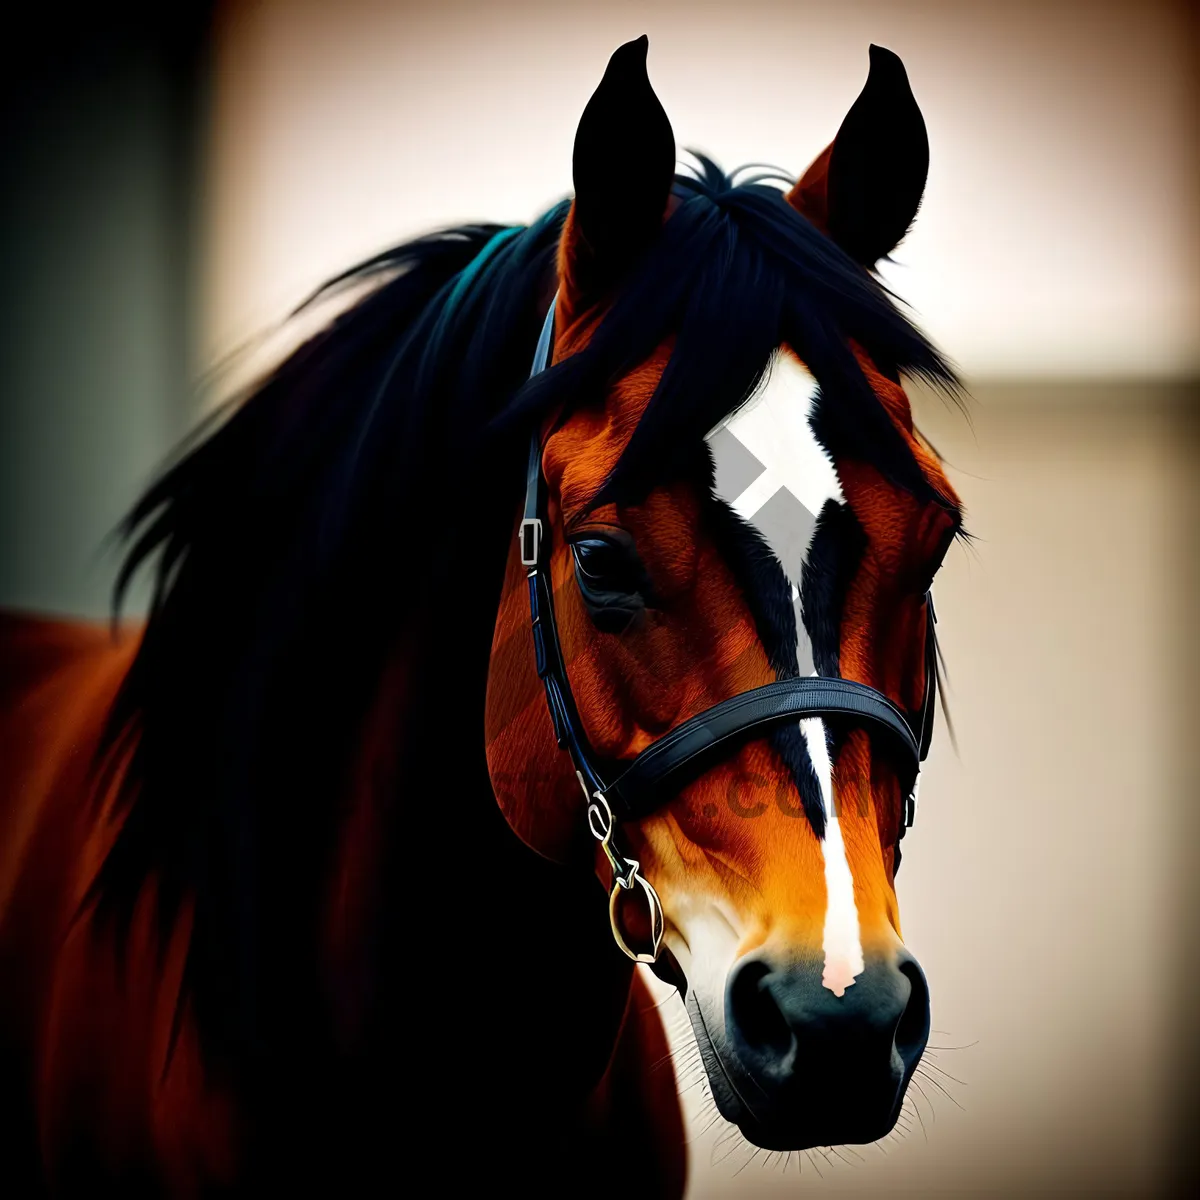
x=656 y=920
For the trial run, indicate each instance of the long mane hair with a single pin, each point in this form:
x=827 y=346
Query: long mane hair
x=370 y=482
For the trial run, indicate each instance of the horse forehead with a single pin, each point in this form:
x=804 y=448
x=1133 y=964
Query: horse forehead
x=588 y=444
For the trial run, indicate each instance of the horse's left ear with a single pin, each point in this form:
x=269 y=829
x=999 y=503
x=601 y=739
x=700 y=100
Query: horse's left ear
x=623 y=166
x=865 y=188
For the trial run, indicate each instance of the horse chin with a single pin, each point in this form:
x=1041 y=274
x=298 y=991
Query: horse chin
x=795 y=1131
x=802 y=1134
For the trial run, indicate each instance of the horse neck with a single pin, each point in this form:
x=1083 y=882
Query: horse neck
x=503 y=959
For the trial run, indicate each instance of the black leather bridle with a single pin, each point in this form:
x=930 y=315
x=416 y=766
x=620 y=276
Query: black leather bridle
x=667 y=765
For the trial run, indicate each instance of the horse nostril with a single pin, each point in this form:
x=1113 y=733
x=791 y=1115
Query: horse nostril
x=912 y=1031
x=755 y=1014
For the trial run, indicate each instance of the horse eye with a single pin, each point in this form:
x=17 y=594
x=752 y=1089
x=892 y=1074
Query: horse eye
x=607 y=560
x=611 y=578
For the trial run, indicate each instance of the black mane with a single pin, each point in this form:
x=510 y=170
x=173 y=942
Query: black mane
x=379 y=467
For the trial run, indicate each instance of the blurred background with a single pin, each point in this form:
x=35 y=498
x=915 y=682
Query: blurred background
x=174 y=182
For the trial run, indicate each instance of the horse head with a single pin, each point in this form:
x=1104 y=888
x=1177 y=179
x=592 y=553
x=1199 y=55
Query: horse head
x=769 y=892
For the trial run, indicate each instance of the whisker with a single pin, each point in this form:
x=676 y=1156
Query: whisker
x=943 y=1071
x=658 y=1062
x=669 y=998
x=930 y=1079
x=687 y=1059
x=757 y=1152
x=731 y=1132
x=838 y=1152
x=917 y=1109
x=714 y=1161
x=932 y=1110
x=946 y=1033
x=716 y=1116
x=824 y=1152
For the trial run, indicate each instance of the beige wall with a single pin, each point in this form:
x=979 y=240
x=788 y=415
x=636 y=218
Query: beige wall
x=1058 y=234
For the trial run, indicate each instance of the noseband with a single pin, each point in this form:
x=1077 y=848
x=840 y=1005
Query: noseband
x=677 y=758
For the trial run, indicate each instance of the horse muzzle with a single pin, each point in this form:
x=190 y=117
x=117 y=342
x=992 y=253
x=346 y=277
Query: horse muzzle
x=799 y=1066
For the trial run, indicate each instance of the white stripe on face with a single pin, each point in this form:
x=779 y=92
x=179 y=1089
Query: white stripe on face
x=842 y=942
x=774 y=428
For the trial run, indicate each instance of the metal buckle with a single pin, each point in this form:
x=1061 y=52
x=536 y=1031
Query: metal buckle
x=529 y=538
x=626 y=873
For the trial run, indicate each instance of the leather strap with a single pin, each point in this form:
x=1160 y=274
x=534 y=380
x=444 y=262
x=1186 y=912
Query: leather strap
x=677 y=758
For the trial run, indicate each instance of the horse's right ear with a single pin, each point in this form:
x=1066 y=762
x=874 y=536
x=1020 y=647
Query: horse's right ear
x=623 y=166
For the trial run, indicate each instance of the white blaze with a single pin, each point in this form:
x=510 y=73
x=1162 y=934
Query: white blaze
x=774 y=428
x=842 y=941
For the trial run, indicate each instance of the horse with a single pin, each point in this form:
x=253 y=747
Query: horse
x=298 y=887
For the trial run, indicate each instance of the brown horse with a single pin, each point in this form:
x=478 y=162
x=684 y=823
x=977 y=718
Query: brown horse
x=263 y=923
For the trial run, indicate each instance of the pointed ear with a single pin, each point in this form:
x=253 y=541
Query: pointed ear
x=623 y=167
x=865 y=188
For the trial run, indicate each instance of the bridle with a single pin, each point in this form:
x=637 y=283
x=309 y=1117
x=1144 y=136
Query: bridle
x=687 y=751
